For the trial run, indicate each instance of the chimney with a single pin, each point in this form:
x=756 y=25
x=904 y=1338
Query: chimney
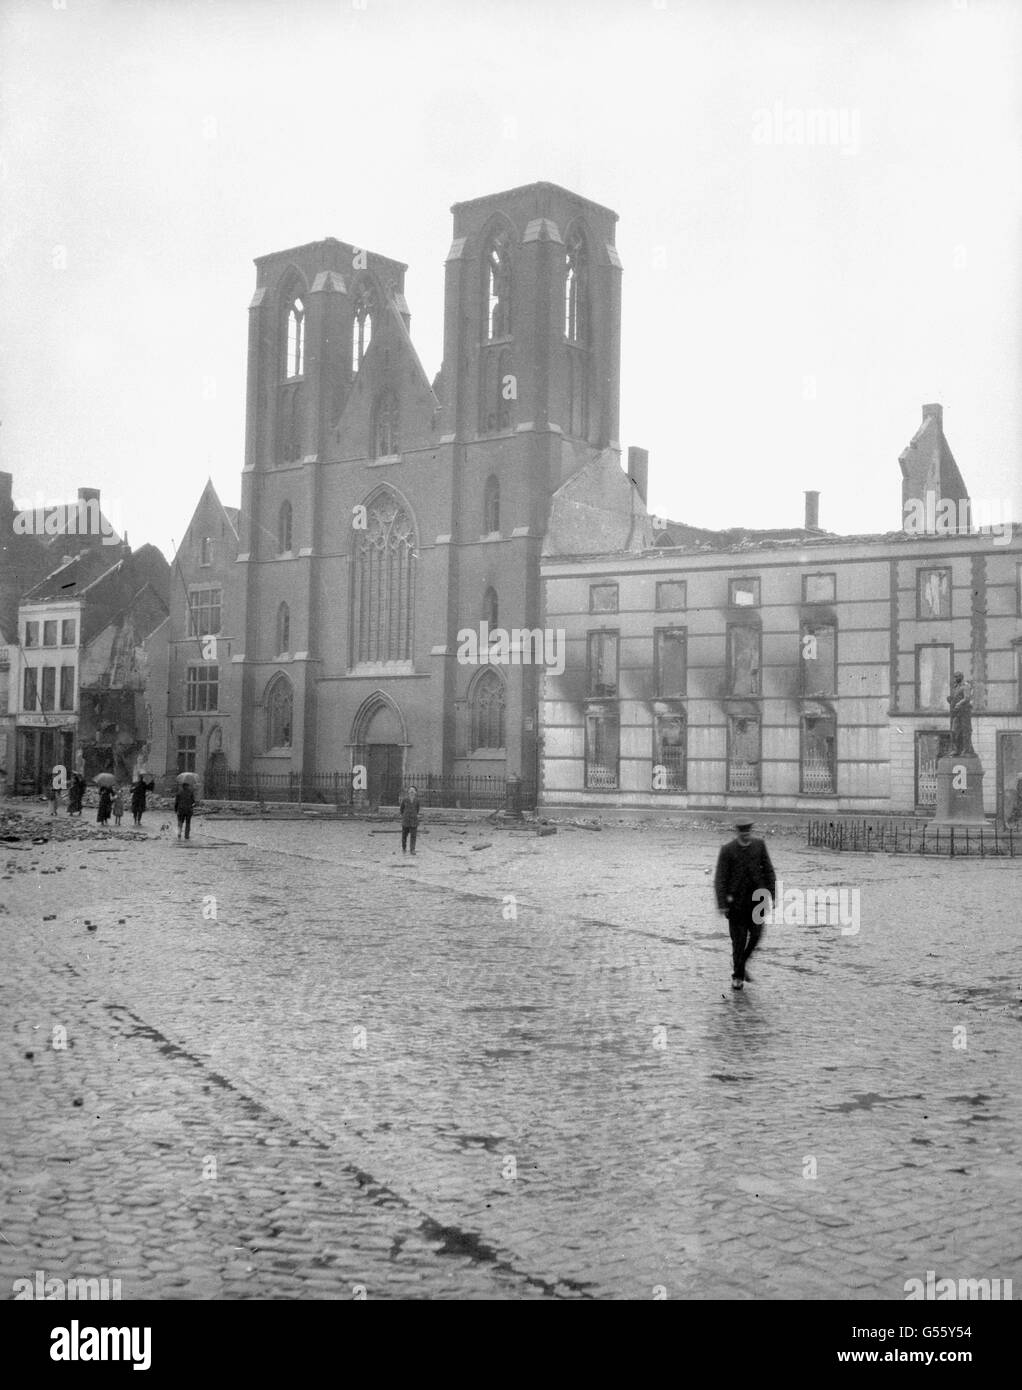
x=934 y=412
x=812 y=511
x=638 y=470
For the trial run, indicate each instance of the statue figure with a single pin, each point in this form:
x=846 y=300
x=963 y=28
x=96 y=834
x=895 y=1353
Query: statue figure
x=960 y=701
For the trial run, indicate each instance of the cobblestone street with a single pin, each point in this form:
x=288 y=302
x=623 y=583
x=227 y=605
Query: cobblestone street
x=298 y=1066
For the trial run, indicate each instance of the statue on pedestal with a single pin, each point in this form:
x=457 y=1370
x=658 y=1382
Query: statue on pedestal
x=960 y=701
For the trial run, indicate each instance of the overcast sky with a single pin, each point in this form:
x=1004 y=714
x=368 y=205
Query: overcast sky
x=787 y=307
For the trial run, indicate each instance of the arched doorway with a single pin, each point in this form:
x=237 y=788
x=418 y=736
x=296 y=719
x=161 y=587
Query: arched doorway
x=214 y=782
x=379 y=739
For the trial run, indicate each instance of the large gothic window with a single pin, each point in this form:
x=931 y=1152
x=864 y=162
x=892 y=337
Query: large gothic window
x=279 y=711
x=487 y=711
x=497 y=262
x=361 y=329
x=383 y=588
x=295 y=338
x=576 y=288
x=385 y=426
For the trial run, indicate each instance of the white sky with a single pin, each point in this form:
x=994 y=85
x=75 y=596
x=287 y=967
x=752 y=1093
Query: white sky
x=165 y=144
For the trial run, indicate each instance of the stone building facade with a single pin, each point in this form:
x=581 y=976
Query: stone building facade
x=790 y=670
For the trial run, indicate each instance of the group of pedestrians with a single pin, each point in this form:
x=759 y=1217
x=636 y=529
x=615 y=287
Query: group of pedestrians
x=113 y=801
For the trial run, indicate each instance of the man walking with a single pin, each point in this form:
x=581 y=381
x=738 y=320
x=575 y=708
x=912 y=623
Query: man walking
x=743 y=868
x=410 y=808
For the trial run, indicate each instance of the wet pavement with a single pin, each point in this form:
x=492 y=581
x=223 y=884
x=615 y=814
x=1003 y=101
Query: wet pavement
x=298 y=1065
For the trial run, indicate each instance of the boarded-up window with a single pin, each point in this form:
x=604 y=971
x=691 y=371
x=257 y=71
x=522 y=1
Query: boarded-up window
x=603 y=598
x=67 y=687
x=49 y=691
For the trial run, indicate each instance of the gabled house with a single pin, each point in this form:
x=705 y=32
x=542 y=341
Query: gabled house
x=203 y=701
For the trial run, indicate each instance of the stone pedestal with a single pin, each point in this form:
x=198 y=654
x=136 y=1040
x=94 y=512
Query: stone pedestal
x=959 y=792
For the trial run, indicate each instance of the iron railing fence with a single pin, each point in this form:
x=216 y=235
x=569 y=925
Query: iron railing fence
x=915 y=837
x=454 y=790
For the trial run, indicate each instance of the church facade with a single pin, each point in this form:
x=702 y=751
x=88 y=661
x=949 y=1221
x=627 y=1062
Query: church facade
x=384 y=516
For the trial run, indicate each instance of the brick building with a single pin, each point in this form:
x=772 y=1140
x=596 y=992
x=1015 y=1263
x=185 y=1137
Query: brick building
x=383 y=514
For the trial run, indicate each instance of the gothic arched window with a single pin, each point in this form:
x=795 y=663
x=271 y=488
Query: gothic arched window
x=284 y=529
x=385 y=421
x=279 y=703
x=491 y=506
x=383 y=588
x=576 y=288
x=490 y=608
x=295 y=364
x=497 y=261
x=283 y=629
x=361 y=328
x=487 y=711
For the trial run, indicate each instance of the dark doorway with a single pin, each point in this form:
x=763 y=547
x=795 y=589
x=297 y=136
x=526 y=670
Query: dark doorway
x=383 y=773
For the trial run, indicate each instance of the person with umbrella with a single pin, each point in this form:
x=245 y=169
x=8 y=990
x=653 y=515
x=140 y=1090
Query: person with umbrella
x=105 y=782
x=184 y=802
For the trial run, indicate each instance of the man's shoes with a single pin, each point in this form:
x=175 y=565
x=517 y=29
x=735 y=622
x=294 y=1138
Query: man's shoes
x=736 y=983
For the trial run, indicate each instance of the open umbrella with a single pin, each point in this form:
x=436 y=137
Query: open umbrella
x=105 y=779
x=184 y=777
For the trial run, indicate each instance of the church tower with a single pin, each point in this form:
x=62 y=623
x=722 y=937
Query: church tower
x=529 y=391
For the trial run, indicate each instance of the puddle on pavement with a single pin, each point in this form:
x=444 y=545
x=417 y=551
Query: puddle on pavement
x=867 y=1100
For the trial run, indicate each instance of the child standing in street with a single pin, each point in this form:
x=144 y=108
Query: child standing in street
x=118 y=806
